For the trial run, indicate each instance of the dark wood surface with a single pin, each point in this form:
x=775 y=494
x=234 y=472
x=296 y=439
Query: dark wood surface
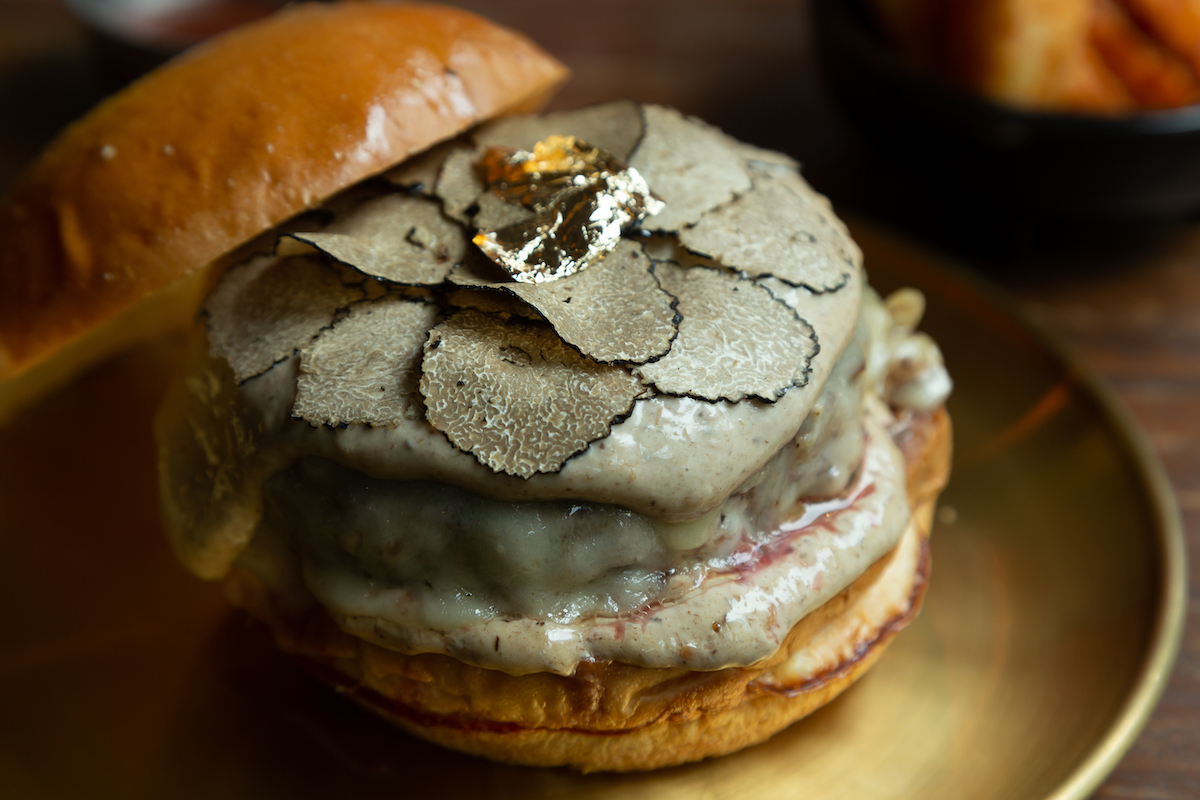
x=1128 y=304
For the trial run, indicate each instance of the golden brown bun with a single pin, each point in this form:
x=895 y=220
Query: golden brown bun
x=226 y=141
x=621 y=717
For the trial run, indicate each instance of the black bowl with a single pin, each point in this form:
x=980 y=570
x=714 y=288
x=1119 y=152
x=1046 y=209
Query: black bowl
x=1142 y=166
x=131 y=37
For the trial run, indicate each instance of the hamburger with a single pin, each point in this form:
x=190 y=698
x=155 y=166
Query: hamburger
x=565 y=440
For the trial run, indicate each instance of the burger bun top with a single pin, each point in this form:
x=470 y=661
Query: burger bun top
x=106 y=237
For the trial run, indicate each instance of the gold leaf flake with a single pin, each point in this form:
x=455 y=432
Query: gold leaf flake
x=583 y=196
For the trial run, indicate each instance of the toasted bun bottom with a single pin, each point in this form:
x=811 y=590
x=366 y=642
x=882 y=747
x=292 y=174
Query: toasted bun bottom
x=620 y=717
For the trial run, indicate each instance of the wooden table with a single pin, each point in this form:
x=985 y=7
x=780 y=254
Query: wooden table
x=1131 y=310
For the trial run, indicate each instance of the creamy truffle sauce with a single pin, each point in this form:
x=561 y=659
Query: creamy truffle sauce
x=636 y=466
x=732 y=608
x=542 y=575
x=464 y=557
x=221 y=440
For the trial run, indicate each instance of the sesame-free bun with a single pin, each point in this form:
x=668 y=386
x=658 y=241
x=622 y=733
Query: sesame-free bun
x=611 y=716
x=107 y=237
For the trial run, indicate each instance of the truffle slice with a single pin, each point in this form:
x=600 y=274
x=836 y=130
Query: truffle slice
x=735 y=340
x=514 y=396
x=772 y=230
x=365 y=369
x=762 y=172
x=761 y=159
x=420 y=172
x=262 y=310
x=395 y=238
x=614 y=127
x=688 y=164
x=477 y=270
x=459 y=184
x=492 y=301
x=496 y=212
x=614 y=311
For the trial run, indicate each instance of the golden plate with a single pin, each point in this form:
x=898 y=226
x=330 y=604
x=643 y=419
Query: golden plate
x=1049 y=630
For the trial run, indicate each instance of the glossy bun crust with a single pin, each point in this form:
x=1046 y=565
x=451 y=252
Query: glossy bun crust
x=234 y=137
x=620 y=717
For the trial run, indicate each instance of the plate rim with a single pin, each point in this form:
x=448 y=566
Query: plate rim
x=1170 y=615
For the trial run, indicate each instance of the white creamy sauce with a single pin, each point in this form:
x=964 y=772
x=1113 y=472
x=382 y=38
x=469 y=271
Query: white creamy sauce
x=726 y=443
x=216 y=433
x=465 y=556
x=731 y=605
x=672 y=542
x=904 y=365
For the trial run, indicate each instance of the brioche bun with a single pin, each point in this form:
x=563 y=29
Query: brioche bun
x=109 y=237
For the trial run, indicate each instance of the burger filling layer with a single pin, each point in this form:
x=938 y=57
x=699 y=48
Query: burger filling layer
x=424 y=566
x=664 y=448
x=464 y=557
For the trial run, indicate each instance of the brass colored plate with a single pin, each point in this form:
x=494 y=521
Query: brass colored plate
x=1049 y=630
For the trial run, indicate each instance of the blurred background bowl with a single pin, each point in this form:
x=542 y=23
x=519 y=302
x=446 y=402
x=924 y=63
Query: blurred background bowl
x=963 y=149
x=133 y=36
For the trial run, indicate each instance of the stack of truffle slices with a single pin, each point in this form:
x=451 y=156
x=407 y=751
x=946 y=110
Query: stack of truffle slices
x=648 y=512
